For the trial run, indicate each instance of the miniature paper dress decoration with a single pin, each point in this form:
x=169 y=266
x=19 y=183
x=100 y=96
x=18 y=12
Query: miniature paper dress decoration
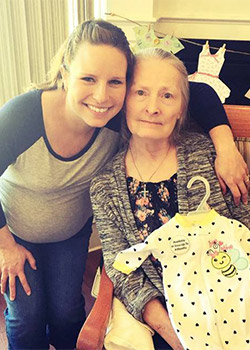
x=145 y=37
x=209 y=67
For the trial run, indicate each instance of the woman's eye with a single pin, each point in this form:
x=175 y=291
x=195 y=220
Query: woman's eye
x=115 y=82
x=88 y=79
x=167 y=95
x=140 y=92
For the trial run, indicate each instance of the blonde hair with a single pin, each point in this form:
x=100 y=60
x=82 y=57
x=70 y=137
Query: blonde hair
x=184 y=86
x=96 y=32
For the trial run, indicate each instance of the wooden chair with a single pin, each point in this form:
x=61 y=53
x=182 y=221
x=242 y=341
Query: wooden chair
x=91 y=336
x=239 y=117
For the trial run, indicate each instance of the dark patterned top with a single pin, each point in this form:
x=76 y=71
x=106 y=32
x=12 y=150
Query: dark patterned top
x=153 y=204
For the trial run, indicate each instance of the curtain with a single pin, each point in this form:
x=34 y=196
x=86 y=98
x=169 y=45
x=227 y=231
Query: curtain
x=31 y=31
x=85 y=10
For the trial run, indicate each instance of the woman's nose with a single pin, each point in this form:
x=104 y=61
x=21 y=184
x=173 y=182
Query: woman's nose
x=100 y=93
x=152 y=107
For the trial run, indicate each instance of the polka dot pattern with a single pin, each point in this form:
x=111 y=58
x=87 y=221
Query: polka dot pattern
x=198 y=296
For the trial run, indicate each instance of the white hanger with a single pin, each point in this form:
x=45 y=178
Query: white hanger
x=203 y=206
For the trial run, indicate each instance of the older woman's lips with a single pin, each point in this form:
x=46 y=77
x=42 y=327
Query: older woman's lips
x=151 y=122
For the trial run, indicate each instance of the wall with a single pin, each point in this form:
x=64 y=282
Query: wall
x=191 y=19
x=223 y=9
x=204 y=19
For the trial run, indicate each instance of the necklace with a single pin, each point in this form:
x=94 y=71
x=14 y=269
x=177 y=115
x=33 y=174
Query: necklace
x=145 y=192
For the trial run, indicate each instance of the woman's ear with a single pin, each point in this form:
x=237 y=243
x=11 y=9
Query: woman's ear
x=181 y=112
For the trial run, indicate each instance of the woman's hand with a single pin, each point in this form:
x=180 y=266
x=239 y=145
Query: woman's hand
x=232 y=172
x=230 y=167
x=12 y=260
x=156 y=316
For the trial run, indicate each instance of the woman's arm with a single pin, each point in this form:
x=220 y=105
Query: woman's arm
x=21 y=124
x=207 y=110
x=156 y=316
x=239 y=212
x=12 y=255
x=230 y=167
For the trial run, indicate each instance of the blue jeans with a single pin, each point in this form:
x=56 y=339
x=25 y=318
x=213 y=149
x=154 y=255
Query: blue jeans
x=54 y=312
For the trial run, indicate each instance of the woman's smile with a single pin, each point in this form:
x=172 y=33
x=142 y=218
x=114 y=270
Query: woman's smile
x=97 y=109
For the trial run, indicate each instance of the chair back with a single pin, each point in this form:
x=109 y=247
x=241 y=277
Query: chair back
x=239 y=118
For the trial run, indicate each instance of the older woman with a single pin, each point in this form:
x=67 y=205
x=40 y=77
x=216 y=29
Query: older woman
x=146 y=184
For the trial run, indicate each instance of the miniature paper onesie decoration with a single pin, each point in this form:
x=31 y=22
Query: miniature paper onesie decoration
x=145 y=38
x=209 y=67
x=206 y=278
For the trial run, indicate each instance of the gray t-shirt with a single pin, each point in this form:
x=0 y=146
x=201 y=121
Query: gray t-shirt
x=45 y=197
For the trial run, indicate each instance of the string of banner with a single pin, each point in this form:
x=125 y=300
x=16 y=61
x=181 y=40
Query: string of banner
x=164 y=35
x=209 y=64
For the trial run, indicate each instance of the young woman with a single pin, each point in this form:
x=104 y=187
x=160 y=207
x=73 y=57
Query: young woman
x=145 y=185
x=53 y=140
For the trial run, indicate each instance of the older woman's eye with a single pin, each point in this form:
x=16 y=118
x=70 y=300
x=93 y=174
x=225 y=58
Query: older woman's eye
x=140 y=92
x=167 y=95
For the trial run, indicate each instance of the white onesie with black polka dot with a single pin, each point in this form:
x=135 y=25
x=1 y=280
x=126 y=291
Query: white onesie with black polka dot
x=206 y=278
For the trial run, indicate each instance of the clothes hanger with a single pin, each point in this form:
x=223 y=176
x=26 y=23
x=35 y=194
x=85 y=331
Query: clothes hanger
x=203 y=207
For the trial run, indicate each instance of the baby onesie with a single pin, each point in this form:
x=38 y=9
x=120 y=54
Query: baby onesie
x=209 y=67
x=206 y=278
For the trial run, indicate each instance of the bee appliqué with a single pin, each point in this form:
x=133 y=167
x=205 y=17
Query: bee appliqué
x=226 y=258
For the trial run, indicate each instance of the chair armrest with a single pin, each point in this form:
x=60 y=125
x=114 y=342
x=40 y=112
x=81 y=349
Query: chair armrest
x=91 y=336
